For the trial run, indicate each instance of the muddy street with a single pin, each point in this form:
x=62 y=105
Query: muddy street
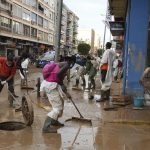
x=107 y=131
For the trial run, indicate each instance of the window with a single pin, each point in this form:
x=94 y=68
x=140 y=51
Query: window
x=45 y=37
x=41 y=8
x=40 y=21
x=27 y=2
x=46 y=1
x=51 y=26
x=26 y=30
x=33 y=18
x=33 y=3
x=46 y=12
x=5 y=22
x=52 y=3
x=45 y=24
x=33 y=32
x=26 y=15
x=5 y=5
x=50 y=38
x=17 y=11
x=17 y=27
x=40 y=35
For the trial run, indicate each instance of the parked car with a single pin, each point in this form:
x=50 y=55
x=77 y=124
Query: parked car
x=44 y=59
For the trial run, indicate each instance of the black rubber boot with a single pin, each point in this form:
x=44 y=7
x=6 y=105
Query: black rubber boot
x=102 y=97
x=77 y=82
x=91 y=97
x=107 y=94
x=48 y=126
x=59 y=124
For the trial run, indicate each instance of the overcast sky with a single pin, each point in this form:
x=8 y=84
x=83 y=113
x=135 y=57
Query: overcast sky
x=91 y=14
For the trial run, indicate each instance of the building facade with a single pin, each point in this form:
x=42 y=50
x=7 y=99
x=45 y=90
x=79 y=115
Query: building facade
x=26 y=25
x=69 y=31
x=132 y=23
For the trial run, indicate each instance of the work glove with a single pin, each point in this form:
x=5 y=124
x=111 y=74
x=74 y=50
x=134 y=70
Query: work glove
x=3 y=82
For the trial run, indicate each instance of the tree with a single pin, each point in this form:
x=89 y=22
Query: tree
x=84 y=48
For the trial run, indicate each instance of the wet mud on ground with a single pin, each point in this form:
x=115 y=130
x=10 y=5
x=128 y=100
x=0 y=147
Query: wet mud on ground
x=103 y=134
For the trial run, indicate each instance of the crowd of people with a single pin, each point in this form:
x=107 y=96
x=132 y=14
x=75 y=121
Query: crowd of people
x=83 y=69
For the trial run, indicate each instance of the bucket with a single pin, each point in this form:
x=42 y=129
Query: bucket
x=138 y=101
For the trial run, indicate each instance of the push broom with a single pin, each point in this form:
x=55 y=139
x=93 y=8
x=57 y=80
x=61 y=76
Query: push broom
x=81 y=118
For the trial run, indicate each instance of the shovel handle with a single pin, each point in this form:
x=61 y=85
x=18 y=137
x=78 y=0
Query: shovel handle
x=76 y=108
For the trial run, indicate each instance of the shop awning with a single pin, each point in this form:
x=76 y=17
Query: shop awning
x=118 y=8
x=116 y=28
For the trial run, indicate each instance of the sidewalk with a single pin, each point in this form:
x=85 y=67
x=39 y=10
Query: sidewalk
x=102 y=135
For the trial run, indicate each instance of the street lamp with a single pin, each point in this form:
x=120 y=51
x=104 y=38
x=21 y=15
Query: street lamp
x=107 y=18
x=106 y=25
x=104 y=37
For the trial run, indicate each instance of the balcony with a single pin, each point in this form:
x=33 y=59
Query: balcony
x=5 y=29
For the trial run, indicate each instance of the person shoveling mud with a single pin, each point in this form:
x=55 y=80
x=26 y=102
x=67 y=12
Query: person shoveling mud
x=55 y=90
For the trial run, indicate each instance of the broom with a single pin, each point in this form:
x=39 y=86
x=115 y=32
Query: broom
x=81 y=118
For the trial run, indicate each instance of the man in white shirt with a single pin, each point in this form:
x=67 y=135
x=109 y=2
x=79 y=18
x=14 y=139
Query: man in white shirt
x=106 y=68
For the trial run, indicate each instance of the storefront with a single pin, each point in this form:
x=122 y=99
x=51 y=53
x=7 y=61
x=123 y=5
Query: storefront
x=136 y=50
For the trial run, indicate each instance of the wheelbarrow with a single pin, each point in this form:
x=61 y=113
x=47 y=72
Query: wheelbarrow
x=24 y=104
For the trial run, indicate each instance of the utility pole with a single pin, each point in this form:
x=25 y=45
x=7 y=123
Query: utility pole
x=104 y=37
x=58 y=29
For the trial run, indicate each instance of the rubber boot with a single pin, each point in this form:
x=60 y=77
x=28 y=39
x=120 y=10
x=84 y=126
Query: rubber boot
x=57 y=123
x=107 y=94
x=48 y=126
x=102 y=97
x=90 y=97
x=77 y=82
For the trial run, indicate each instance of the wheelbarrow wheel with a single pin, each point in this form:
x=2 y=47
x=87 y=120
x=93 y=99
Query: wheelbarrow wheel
x=27 y=110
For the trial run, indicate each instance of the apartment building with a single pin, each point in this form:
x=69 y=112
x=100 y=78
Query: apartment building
x=69 y=31
x=26 y=25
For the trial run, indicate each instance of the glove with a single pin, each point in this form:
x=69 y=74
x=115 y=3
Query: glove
x=3 y=82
